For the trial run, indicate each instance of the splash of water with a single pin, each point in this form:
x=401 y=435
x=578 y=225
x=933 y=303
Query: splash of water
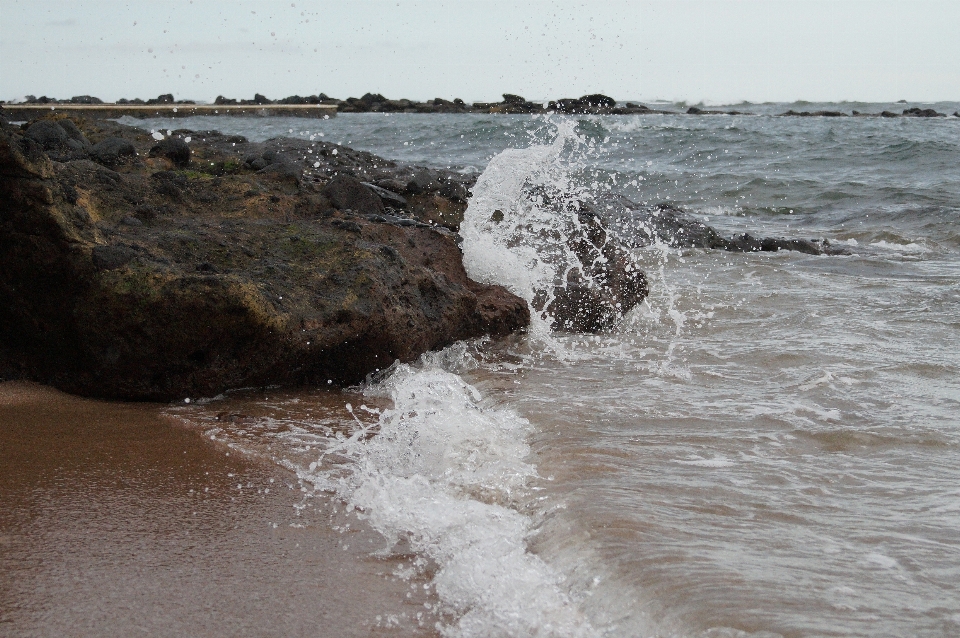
x=446 y=471
x=500 y=223
x=442 y=476
x=530 y=227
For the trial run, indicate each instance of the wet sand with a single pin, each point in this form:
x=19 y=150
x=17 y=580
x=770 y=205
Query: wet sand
x=115 y=520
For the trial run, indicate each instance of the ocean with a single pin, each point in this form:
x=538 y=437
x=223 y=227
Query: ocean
x=768 y=446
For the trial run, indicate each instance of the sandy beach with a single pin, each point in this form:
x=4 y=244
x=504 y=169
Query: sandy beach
x=116 y=519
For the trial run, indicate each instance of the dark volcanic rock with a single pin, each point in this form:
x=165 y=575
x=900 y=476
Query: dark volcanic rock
x=158 y=284
x=598 y=100
x=174 y=149
x=73 y=132
x=918 y=112
x=605 y=287
x=388 y=197
x=791 y=112
x=642 y=225
x=348 y=193
x=48 y=134
x=597 y=278
x=694 y=110
x=166 y=98
x=595 y=104
x=113 y=151
x=111 y=257
x=59 y=137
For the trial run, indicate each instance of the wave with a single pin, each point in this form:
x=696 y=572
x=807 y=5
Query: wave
x=442 y=476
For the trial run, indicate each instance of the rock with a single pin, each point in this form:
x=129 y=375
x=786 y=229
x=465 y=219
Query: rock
x=694 y=110
x=608 y=284
x=918 y=112
x=113 y=151
x=256 y=163
x=237 y=292
x=791 y=112
x=348 y=193
x=599 y=279
x=48 y=134
x=597 y=104
x=422 y=182
x=73 y=132
x=389 y=198
x=166 y=98
x=598 y=100
x=174 y=149
x=60 y=138
x=370 y=99
x=282 y=171
x=111 y=257
x=638 y=225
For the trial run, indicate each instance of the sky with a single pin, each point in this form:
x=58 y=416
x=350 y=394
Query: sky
x=712 y=51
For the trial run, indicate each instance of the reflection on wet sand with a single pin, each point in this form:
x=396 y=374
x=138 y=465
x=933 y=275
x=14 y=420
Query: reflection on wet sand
x=115 y=520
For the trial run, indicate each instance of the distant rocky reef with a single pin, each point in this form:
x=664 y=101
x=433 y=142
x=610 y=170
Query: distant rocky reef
x=912 y=112
x=166 y=98
x=594 y=104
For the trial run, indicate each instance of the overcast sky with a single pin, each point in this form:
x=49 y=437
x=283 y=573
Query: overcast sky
x=693 y=50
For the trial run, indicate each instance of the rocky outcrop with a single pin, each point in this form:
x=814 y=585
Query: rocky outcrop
x=150 y=275
x=587 y=279
x=918 y=112
x=593 y=104
x=791 y=112
x=640 y=225
x=695 y=110
x=606 y=285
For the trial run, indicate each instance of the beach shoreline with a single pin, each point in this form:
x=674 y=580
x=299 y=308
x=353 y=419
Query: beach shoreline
x=117 y=518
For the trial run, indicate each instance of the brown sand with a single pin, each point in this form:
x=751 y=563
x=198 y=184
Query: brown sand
x=115 y=521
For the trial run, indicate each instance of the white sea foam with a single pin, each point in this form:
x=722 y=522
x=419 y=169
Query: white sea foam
x=442 y=475
x=912 y=247
x=715 y=462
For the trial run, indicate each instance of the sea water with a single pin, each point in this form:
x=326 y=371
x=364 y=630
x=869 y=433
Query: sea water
x=768 y=446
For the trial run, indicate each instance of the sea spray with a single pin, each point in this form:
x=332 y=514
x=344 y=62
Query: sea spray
x=443 y=472
x=505 y=236
x=442 y=475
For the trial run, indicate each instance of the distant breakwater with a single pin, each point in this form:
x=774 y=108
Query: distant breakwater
x=594 y=104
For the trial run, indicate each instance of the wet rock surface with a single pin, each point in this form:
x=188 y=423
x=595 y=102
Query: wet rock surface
x=641 y=225
x=134 y=275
